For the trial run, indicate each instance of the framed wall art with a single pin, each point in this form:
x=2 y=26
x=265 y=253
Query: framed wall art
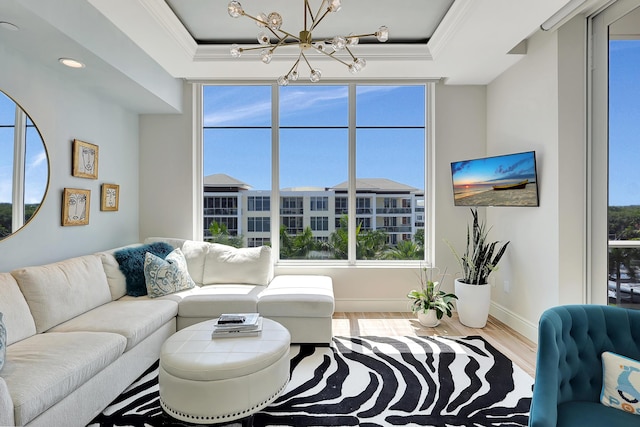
x=75 y=206
x=85 y=159
x=110 y=197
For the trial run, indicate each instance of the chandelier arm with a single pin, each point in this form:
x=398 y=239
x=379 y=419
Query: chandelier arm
x=295 y=65
x=361 y=35
x=305 y=60
x=316 y=22
x=307 y=9
x=350 y=53
x=330 y=55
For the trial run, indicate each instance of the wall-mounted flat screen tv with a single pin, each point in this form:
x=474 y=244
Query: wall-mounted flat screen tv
x=506 y=180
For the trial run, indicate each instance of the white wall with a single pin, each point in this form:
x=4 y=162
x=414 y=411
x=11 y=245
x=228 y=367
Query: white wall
x=538 y=104
x=62 y=111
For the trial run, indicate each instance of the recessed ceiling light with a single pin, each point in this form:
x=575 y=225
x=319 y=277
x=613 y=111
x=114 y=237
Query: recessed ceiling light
x=8 y=26
x=72 y=63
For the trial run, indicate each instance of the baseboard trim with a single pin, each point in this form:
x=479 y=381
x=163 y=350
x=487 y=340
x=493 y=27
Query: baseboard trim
x=382 y=305
x=516 y=322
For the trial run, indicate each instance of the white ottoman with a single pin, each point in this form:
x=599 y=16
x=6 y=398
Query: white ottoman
x=205 y=381
x=304 y=304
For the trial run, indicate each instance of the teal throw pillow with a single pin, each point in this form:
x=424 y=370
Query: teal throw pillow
x=620 y=382
x=131 y=263
x=166 y=276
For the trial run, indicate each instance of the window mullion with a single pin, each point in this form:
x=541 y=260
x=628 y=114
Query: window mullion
x=275 y=171
x=352 y=176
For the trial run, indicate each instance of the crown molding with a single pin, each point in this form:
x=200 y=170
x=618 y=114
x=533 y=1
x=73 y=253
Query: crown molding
x=452 y=21
x=396 y=52
x=164 y=16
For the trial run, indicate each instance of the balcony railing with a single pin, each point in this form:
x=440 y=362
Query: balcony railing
x=221 y=211
x=396 y=229
x=291 y=211
x=393 y=210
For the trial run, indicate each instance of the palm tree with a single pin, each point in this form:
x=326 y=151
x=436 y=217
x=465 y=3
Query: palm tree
x=620 y=258
x=220 y=234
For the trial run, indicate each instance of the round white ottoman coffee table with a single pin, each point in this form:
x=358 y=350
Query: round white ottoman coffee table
x=207 y=381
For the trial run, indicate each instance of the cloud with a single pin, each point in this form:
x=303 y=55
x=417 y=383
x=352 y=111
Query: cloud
x=459 y=166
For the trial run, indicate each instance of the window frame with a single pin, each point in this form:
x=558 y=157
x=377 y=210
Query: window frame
x=429 y=172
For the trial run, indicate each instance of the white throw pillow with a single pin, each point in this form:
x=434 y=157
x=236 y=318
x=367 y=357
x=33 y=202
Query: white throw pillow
x=228 y=265
x=620 y=382
x=166 y=276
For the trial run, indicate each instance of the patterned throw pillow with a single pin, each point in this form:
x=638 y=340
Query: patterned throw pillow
x=620 y=382
x=166 y=276
x=131 y=263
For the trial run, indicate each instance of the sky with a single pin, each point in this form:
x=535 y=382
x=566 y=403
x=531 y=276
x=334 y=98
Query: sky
x=36 y=169
x=624 y=122
x=494 y=170
x=315 y=156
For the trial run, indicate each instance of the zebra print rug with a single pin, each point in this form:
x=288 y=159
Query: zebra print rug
x=372 y=381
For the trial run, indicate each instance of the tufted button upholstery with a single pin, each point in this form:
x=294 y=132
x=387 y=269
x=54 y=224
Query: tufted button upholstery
x=571 y=340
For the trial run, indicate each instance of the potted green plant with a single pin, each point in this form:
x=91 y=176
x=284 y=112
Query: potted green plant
x=429 y=302
x=478 y=261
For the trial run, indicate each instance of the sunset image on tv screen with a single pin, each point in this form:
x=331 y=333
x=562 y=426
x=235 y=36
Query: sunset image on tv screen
x=507 y=180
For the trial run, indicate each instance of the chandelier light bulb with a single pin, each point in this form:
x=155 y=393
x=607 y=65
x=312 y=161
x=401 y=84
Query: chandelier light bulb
x=319 y=46
x=283 y=81
x=266 y=56
x=236 y=51
x=337 y=48
x=382 y=34
x=263 y=38
x=338 y=43
x=335 y=5
x=261 y=20
x=315 y=75
x=274 y=21
x=235 y=9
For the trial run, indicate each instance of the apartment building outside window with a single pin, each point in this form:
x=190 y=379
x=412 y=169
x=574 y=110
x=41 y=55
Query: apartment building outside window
x=313 y=144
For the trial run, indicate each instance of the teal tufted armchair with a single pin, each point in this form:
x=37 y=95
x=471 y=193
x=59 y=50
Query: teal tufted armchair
x=568 y=376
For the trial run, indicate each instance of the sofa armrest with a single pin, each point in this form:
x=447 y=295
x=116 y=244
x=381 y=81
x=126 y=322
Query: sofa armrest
x=6 y=405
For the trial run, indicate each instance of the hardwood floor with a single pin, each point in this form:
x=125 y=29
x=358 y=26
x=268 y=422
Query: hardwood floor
x=519 y=349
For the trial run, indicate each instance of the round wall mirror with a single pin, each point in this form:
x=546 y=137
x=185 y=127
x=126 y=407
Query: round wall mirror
x=24 y=168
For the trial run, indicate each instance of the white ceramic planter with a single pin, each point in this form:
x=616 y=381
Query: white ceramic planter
x=472 y=304
x=429 y=319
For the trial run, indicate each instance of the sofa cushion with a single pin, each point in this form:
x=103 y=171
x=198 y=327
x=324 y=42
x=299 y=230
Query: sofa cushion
x=43 y=369
x=166 y=276
x=211 y=301
x=16 y=315
x=195 y=253
x=60 y=291
x=298 y=296
x=135 y=320
x=226 y=264
x=592 y=414
x=620 y=383
x=131 y=261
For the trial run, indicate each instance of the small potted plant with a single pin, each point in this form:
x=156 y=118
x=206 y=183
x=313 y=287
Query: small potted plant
x=429 y=302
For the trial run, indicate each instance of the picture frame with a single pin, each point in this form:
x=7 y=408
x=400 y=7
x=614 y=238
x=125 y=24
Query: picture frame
x=76 y=204
x=110 y=197
x=85 y=159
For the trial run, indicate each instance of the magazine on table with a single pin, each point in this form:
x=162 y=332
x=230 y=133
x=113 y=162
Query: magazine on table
x=245 y=325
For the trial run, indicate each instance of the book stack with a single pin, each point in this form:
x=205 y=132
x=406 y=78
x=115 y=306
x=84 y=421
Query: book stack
x=237 y=325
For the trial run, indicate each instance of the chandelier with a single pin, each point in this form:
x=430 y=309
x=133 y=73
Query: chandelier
x=332 y=47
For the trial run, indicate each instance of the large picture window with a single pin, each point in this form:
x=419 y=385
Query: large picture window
x=322 y=135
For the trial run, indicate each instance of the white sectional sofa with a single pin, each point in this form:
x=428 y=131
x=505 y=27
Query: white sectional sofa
x=75 y=340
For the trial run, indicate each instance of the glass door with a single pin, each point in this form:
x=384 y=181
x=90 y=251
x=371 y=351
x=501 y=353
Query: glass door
x=615 y=154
